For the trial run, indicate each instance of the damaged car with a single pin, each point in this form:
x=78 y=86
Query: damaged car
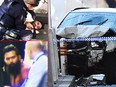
x=89 y=35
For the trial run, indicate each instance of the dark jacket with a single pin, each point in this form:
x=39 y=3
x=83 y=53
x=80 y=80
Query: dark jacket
x=14 y=17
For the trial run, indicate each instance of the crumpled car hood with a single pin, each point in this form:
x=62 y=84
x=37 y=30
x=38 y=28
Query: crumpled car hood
x=82 y=31
x=86 y=31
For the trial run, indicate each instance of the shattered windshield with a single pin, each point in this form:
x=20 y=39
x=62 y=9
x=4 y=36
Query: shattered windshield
x=107 y=19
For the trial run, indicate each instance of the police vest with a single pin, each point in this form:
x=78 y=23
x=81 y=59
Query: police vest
x=5 y=6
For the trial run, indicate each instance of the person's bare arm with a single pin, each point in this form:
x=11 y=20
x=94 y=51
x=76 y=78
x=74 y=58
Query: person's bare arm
x=7 y=86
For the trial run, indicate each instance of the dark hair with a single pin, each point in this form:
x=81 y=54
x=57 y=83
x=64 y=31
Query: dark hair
x=33 y=3
x=9 y=48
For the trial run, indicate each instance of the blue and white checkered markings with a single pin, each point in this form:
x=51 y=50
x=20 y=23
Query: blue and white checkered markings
x=87 y=39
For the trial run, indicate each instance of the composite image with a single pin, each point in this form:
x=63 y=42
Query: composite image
x=57 y=43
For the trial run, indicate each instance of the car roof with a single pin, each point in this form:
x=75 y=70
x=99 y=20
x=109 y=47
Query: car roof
x=113 y=10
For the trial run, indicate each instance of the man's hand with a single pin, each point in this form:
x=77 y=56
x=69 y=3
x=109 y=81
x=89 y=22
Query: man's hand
x=29 y=26
x=35 y=25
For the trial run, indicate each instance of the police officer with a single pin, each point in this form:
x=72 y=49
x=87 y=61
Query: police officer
x=12 y=18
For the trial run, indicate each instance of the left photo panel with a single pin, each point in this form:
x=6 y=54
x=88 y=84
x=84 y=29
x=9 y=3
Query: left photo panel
x=24 y=63
x=23 y=43
x=23 y=19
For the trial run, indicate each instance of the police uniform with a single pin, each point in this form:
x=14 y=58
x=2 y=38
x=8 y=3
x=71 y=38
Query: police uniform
x=13 y=14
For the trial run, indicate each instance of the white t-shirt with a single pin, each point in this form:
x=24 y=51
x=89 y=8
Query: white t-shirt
x=29 y=17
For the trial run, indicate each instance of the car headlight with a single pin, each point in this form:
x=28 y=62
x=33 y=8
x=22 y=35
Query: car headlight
x=93 y=44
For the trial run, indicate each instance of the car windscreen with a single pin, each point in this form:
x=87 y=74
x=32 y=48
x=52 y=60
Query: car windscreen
x=107 y=19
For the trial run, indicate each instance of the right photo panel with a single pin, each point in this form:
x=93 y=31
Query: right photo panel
x=82 y=43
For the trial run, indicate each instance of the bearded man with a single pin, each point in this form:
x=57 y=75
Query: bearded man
x=14 y=70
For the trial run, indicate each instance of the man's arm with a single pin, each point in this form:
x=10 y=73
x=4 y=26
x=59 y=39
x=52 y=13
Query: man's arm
x=19 y=14
x=36 y=73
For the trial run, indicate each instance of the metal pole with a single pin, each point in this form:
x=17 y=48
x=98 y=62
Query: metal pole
x=96 y=4
x=53 y=66
x=50 y=78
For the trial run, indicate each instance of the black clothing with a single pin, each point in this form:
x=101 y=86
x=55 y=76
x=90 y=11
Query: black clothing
x=13 y=14
x=109 y=59
x=14 y=17
x=111 y=3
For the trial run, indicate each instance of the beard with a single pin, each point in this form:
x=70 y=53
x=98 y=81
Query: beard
x=14 y=69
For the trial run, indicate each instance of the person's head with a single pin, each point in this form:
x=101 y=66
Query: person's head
x=11 y=55
x=33 y=47
x=12 y=58
x=31 y=3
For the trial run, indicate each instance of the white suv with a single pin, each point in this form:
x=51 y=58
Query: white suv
x=90 y=17
x=99 y=25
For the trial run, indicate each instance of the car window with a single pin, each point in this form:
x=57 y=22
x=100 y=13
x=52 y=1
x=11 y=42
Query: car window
x=91 y=18
x=113 y=27
x=95 y=20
